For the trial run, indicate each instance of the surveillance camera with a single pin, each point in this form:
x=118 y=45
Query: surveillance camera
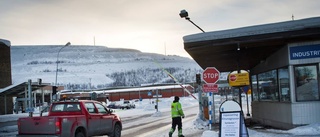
x=183 y=14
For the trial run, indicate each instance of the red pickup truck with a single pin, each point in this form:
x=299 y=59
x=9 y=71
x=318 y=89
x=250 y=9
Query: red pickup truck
x=80 y=118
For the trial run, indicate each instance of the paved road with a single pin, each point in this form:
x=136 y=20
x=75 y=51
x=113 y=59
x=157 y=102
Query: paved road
x=158 y=126
x=9 y=123
x=151 y=126
x=141 y=125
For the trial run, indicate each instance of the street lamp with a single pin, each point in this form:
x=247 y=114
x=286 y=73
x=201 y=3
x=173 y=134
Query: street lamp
x=184 y=14
x=58 y=61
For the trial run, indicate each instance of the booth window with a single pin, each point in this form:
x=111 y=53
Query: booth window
x=284 y=84
x=268 y=86
x=306 y=81
x=254 y=84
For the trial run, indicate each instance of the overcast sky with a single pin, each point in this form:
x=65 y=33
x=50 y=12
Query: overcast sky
x=146 y=25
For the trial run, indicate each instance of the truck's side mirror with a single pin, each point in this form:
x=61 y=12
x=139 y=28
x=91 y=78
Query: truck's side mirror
x=44 y=110
x=111 y=111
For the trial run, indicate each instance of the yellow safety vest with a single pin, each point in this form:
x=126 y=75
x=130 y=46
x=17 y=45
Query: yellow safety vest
x=176 y=110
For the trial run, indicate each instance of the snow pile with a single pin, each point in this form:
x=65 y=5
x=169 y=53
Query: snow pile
x=310 y=130
x=209 y=133
x=201 y=124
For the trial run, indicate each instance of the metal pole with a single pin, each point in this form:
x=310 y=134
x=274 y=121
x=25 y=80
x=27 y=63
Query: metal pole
x=187 y=18
x=30 y=106
x=200 y=102
x=248 y=114
x=240 y=98
x=29 y=94
x=210 y=111
x=42 y=98
x=34 y=99
x=57 y=68
x=225 y=92
x=25 y=99
x=58 y=61
x=213 y=110
x=139 y=96
x=157 y=100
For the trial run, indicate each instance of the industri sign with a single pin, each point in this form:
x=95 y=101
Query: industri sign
x=304 y=52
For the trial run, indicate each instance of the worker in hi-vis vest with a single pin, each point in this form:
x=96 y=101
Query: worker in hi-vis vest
x=177 y=114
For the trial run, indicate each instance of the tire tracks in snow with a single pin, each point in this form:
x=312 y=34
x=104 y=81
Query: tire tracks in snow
x=148 y=125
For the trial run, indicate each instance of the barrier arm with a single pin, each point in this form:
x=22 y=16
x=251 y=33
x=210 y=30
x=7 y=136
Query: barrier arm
x=171 y=76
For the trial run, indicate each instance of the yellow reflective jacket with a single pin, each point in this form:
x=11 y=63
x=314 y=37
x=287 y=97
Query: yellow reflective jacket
x=176 y=110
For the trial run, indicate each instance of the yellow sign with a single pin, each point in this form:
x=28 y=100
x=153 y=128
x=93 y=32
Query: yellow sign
x=238 y=79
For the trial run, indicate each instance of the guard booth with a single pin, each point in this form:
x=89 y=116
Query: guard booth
x=283 y=61
x=18 y=91
x=25 y=94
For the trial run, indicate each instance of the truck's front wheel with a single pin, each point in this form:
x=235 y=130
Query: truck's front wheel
x=116 y=131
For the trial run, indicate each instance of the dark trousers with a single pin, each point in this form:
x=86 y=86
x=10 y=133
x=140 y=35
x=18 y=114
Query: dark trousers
x=176 y=121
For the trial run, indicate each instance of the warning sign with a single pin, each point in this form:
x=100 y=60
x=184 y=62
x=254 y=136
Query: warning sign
x=238 y=79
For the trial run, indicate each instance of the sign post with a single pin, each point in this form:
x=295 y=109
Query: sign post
x=211 y=76
x=239 y=79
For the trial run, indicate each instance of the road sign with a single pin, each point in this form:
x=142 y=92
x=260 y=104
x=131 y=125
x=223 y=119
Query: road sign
x=149 y=93
x=210 y=75
x=239 y=79
x=29 y=110
x=245 y=89
x=210 y=88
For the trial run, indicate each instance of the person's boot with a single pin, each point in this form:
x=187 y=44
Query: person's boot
x=171 y=132
x=180 y=133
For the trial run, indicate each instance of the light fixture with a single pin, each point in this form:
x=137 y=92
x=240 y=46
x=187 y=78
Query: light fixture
x=184 y=14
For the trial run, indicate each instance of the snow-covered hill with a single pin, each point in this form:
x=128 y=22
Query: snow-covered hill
x=99 y=65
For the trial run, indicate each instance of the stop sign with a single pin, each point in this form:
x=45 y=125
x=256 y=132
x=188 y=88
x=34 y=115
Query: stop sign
x=233 y=77
x=210 y=75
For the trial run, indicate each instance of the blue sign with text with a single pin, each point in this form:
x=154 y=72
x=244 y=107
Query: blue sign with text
x=149 y=93
x=304 y=52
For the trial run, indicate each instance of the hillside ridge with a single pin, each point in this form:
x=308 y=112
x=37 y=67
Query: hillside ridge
x=83 y=66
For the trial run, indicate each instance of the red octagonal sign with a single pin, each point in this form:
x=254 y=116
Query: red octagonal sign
x=210 y=75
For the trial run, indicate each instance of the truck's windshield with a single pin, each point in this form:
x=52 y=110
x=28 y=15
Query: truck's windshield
x=66 y=107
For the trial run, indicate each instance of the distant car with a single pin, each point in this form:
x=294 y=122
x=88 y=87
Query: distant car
x=127 y=104
x=114 y=105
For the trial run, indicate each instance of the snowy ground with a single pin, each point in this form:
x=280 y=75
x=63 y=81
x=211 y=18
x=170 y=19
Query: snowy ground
x=191 y=127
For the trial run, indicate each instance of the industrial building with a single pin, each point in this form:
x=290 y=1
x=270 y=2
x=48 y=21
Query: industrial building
x=283 y=60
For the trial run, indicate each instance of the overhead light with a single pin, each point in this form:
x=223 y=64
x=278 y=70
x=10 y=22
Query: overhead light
x=184 y=14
